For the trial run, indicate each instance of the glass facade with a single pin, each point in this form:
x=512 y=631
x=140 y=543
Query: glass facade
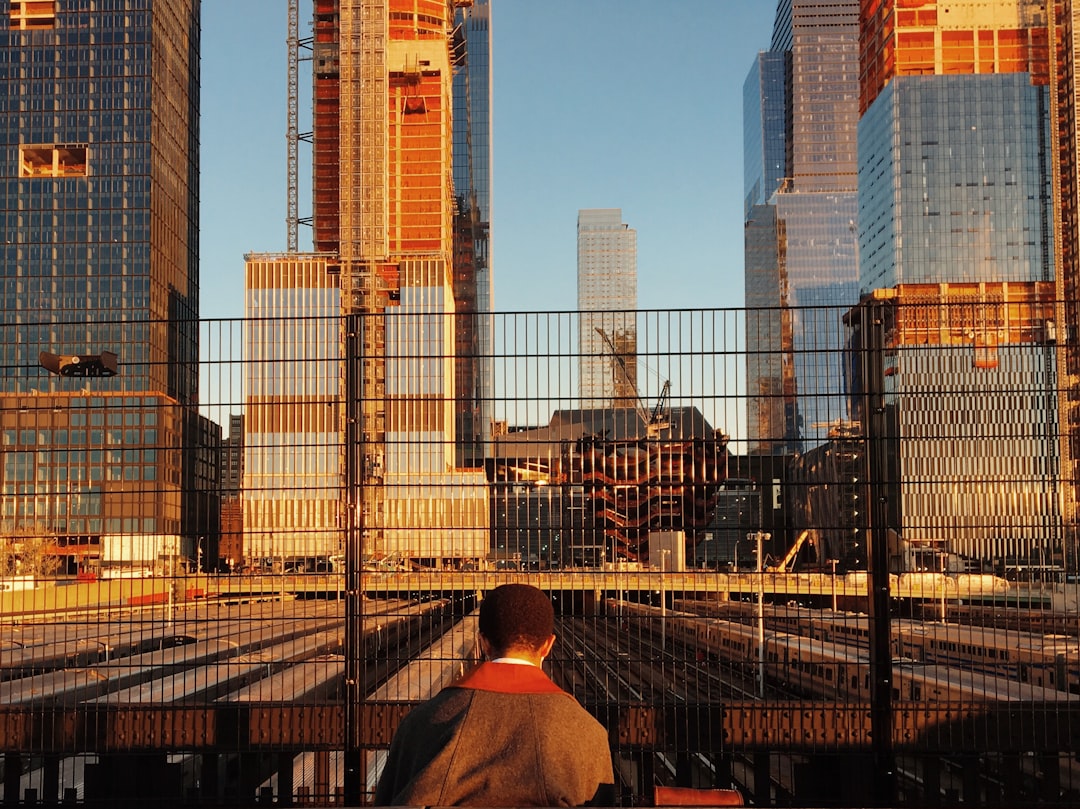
x=955 y=185
x=473 y=281
x=607 y=286
x=99 y=210
x=765 y=128
x=821 y=272
x=811 y=272
x=955 y=182
x=99 y=132
x=773 y=420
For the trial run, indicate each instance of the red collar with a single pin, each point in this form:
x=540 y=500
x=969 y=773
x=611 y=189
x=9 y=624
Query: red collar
x=507 y=678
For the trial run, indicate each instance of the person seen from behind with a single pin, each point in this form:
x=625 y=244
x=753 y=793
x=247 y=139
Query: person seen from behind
x=505 y=734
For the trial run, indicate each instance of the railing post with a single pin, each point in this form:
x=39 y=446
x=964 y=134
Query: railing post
x=353 y=341
x=879 y=435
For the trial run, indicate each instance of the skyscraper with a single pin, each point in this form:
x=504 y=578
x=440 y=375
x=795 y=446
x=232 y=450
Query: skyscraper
x=957 y=232
x=1066 y=34
x=473 y=281
x=800 y=103
x=385 y=142
x=99 y=210
x=607 y=298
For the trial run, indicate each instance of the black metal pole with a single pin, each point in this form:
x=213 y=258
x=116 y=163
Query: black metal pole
x=879 y=441
x=352 y=343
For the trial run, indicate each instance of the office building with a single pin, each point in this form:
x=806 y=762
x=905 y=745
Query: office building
x=384 y=146
x=957 y=232
x=230 y=553
x=99 y=210
x=473 y=281
x=607 y=300
x=800 y=110
x=1066 y=33
x=980 y=481
x=292 y=411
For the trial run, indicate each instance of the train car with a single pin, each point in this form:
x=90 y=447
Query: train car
x=75 y=685
x=127 y=644
x=714 y=639
x=818 y=668
x=1051 y=661
x=940 y=683
x=840 y=671
x=26 y=661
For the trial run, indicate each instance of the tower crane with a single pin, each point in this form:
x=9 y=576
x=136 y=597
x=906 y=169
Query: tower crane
x=654 y=420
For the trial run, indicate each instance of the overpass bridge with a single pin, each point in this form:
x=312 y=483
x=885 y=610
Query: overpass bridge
x=586 y=586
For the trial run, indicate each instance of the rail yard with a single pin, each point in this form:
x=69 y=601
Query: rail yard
x=240 y=698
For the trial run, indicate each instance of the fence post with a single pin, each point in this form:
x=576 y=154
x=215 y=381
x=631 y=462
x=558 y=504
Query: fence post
x=879 y=437
x=353 y=341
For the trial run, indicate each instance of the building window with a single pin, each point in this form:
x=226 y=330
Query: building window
x=32 y=14
x=52 y=160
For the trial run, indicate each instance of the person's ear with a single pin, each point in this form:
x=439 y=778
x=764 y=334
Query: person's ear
x=546 y=648
x=485 y=646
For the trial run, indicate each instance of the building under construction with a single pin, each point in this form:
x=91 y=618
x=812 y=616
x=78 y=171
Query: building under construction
x=610 y=478
x=401 y=189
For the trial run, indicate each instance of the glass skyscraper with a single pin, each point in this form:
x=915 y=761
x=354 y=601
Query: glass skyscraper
x=607 y=298
x=957 y=233
x=800 y=103
x=99 y=211
x=473 y=281
x=955 y=181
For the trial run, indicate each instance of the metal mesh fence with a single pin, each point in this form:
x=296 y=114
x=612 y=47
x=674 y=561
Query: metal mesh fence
x=824 y=557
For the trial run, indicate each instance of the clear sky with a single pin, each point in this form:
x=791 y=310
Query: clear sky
x=597 y=104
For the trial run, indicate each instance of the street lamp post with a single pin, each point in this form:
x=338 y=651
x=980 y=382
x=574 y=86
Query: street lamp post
x=761 y=536
x=943 y=581
x=833 y=563
x=664 y=554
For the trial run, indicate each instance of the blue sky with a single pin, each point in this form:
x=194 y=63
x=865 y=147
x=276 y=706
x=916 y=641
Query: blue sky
x=597 y=104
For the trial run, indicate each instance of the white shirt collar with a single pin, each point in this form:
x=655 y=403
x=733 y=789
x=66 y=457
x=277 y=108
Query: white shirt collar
x=514 y=661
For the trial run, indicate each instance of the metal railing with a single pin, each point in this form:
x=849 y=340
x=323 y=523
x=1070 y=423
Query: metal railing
x=823 y=556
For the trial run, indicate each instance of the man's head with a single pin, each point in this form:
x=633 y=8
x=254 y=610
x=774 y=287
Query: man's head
x=519 y=619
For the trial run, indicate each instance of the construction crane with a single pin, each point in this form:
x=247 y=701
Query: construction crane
x=293 y=136
x=654 y=420
x=785 y=565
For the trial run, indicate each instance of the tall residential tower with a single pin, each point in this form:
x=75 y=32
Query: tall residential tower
x=607 y=298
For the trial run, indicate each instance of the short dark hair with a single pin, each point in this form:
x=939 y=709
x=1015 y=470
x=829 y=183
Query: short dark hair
x=516 y=616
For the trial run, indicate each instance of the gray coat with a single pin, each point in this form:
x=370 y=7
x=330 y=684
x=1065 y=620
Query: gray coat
x=504 y=736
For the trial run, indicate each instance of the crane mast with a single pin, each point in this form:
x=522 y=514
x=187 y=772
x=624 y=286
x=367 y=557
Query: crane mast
x=292 y=134
x=653 y=420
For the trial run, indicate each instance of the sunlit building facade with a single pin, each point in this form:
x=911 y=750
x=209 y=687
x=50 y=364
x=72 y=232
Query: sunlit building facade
x=979 y=481
x=957 y=229
x=385 y=142
x=800 y=103
x=292 y=431
x=1066 y=34
x=99 y=210
x=607 y=298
